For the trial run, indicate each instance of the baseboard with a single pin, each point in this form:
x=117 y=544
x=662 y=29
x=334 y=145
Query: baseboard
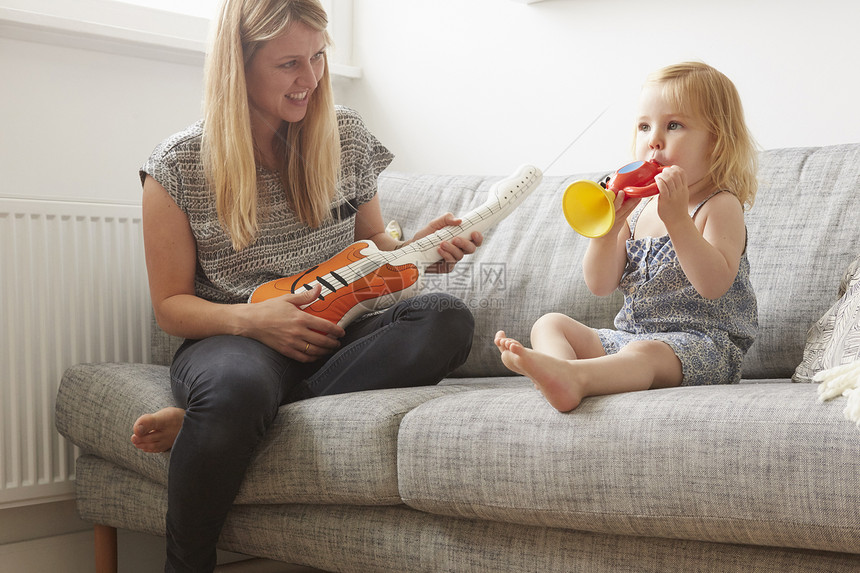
x=263 y=566
x=70 y=553
x=138 y=553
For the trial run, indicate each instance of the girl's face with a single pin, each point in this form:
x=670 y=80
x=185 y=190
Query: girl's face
x=670 y=137
x=283 y=74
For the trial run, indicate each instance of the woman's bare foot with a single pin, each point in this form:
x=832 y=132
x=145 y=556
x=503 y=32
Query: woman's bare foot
x=557 y=379
x=156 y=432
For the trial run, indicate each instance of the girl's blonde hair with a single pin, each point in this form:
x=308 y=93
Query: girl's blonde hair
x=702 y=91
x=310 y=148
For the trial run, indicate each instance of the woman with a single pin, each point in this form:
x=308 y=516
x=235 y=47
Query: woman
x=273 y=181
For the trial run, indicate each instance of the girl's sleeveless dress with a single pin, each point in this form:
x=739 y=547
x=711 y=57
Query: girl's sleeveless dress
x=710 y=337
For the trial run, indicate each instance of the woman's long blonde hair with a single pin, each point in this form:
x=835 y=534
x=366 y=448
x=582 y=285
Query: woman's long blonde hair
x=310 y=148
x=704 y=92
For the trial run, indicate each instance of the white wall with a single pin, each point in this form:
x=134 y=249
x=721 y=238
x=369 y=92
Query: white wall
x=79 y=123
x=87 y=94
x=481 y=86
x=455 y=86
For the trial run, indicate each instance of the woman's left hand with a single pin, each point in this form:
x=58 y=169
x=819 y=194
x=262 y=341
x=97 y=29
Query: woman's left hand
x=451 y=251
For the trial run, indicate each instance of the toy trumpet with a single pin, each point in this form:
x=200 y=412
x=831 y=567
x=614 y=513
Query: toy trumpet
x=589 y=207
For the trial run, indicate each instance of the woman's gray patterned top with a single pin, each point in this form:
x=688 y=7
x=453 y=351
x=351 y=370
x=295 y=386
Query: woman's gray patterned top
x=284 y=245
x=710 y=337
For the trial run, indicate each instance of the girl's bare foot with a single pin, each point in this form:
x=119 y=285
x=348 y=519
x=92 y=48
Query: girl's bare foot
x=557 y=379
x=156 y=432
x=504 y=345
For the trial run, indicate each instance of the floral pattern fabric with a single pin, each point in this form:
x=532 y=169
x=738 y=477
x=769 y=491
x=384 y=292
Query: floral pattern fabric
x=710 y=337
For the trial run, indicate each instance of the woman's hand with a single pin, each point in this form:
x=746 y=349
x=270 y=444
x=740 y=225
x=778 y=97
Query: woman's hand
x=369 y=225
x=280 y=323
x=451 y=251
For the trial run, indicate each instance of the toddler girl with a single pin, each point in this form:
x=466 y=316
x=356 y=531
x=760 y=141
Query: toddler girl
x=689 y=312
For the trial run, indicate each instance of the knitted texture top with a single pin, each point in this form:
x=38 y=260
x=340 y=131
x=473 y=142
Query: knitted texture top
x=283 y=245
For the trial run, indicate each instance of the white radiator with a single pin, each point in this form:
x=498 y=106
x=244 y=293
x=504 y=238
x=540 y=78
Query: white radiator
x=72 y=289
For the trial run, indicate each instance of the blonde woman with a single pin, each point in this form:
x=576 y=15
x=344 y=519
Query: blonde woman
x=689 y=312
x=274 y=180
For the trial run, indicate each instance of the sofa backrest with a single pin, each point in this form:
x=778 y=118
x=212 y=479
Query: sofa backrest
x=162 y=345
x=803 y=233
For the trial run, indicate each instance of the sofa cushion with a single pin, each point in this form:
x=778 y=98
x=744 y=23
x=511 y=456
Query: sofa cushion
x=334 y=449
x=834 y=339
x=394 y=539
x=112 y=495
x=761 y=464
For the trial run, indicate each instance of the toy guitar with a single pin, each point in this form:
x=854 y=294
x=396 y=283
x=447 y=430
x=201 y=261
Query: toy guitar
x=362 y=278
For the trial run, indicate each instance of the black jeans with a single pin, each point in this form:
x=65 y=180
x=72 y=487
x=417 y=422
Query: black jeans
x=231 y=388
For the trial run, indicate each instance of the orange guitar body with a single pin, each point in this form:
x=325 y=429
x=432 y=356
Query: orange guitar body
x=386 y=279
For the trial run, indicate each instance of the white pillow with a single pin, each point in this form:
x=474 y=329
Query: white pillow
x=834 y=339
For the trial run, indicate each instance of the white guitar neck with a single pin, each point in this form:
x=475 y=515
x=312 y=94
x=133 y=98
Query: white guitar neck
x=504 y=196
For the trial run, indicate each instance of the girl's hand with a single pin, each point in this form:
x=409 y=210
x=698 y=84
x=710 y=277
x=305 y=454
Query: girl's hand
x=606 y=256
x=622 y=211
x=281 y=324
x=451 y=251
x=622 y=208
x=674 y=201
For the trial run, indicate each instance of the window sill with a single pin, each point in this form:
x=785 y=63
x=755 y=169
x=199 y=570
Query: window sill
x=169 y=37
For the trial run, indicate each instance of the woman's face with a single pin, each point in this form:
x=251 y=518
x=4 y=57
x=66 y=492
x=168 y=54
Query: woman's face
x=283 y=74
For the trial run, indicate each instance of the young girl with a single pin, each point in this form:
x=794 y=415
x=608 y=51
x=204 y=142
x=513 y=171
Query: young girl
x=689 y=312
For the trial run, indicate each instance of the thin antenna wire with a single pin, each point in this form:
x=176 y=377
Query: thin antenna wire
x=581 y=133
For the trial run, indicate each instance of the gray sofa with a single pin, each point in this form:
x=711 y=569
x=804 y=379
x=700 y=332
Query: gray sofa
x=479 y=473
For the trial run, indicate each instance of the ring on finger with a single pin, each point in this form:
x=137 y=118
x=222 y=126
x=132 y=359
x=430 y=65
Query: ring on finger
x=307 y=346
